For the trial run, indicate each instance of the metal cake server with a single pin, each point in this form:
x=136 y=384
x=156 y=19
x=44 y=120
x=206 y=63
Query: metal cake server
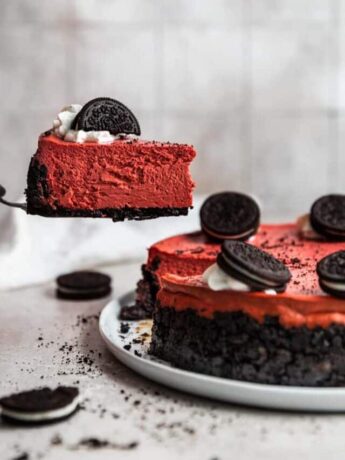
x=8 y=203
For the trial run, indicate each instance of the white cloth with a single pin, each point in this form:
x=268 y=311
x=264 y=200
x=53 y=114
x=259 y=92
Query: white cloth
x=34 y=249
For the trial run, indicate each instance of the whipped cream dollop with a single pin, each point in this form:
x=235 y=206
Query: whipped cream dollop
x=62 y=129
x=305 y=228
x=218 y=280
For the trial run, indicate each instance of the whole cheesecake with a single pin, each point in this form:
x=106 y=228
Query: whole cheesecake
x=293 y=338
x=93 y=164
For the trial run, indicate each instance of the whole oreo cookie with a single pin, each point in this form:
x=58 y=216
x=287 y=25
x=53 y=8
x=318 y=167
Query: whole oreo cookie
x=230 y=216
x=327 y=216
x=253 y=266
x=106 y=114
x=331 y=271
x=83 y=285
x=40 y=406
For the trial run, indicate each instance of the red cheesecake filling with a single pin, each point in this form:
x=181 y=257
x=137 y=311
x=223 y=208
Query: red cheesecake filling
x=302 y=304
x=134 y=174
x=183 y=255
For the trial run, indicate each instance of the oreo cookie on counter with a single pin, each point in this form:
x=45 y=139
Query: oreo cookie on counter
x=40 y=406
x=252 y=266
x=327 y=216
x=331 y=272
x=83 y=285
x=230 y=216
x=106 y=114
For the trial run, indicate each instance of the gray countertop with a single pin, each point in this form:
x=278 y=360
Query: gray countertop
x=45 y=341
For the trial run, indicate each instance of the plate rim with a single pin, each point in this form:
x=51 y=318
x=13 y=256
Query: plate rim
x=143 y=366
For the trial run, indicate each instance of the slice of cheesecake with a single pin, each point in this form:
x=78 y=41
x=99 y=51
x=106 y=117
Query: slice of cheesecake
x=92 y=164
x=126 y=179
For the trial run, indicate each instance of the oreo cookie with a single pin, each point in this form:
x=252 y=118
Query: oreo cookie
x=106 y=114
x=83 y=285
x=40 y=406
x=253 y=266
x=230 y=216
x=327 y=216
x=331 y=272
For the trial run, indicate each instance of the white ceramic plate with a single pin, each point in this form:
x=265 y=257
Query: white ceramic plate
x=234 y=391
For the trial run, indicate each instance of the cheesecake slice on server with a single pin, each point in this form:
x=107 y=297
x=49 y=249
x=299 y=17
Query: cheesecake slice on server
x=93 y=164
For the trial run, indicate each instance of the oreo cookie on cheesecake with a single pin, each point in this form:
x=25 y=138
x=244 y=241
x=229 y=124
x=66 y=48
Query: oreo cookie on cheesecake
x=106 y=114
x=331 y=272
x=230 y=216
x=83 y=285
x=252 y=266
x=42 y=405
x=327 y=216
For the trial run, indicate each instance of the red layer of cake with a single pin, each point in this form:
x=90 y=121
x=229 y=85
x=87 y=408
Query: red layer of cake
x=183 y=255
x=303 y=302
x=135 y=174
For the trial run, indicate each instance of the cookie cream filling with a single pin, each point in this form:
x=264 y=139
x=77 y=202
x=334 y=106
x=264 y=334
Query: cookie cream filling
x=334 y=285
x=305 y=228
x=39 y=416
x=218 y=280
x=62 y=129
x=96 y=290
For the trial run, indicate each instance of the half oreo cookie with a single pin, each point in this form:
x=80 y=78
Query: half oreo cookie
x=327 y=216
x=40 y=406
x=253 y=266
x=230 y=216
x=331 y=271
x=106 y=114
x=83 y=285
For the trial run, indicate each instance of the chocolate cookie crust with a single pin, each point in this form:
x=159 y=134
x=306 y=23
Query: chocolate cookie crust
x=234 y=345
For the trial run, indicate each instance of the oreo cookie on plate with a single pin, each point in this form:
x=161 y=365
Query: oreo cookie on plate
x=83 y=285
x=252 y=266
x=230 y=216
x=327 y=216
x=40 y=406
x=331 y=272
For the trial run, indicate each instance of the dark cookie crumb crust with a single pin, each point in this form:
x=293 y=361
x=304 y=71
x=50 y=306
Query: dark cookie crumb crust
x=38 y=187
x=234 y=345
x=147 y=289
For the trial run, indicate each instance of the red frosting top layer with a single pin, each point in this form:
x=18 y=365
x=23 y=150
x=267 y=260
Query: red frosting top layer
x=303 y=302
x=138 y=174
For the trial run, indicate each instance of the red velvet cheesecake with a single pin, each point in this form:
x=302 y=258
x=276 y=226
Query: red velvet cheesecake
x=107 y=171
x=130 y=179
x=293 y=338
x=187 y=254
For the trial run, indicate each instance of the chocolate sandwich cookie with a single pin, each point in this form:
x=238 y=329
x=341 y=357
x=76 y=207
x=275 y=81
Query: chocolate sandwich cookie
x=331 y=271
x=83 y=285
x=253 y=266
x=230 y=216
x=327 y=216
x=106 y=114
x=40 y=406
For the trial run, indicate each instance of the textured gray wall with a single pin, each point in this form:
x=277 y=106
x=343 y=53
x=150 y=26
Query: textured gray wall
x=256 y=85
